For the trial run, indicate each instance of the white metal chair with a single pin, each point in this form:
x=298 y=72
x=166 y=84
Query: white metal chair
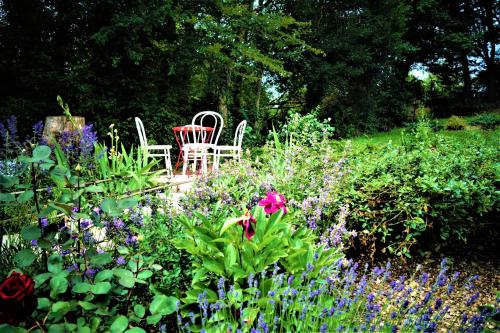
x=233 y=151
x=200 y=138
x=153 y=150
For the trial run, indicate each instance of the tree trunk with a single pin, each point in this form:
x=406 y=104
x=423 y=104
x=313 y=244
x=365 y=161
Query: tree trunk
x=467 y=90
x=55 y=125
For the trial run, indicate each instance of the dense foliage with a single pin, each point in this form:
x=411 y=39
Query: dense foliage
x=91 y=245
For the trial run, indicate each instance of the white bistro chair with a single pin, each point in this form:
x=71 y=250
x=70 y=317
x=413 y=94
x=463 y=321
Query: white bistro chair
x=200 y=139
x=233 y=151
x=153 y=150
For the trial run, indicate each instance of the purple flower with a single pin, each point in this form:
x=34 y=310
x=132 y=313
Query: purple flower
x=131 y=239
x=34 y=242
x=90 y=272
x=38 y=129
x=472 y=299
x=121 y=261
x=44 y=222
x=220 y=288
x=86 y=223
x=118 y=223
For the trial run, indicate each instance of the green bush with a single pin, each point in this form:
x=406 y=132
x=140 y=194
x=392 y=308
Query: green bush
x=486 y=121
x=431 y=190
x=456 y=123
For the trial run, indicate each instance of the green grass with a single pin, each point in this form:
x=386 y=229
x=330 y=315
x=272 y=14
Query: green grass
x=394 y=135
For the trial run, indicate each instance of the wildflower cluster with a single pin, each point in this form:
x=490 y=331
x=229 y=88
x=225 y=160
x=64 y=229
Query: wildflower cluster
x=342 y=298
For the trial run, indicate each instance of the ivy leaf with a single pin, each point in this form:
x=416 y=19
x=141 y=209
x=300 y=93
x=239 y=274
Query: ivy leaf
x=24 y=257
x=119 y=325
x=55 y=264
x=139 y=310
x=81 y=288
x=163 y=305
x=41 y=153
x=101 y=259
x=25 y=196
x=145 y=275
x=104 y=275
x=101 y=288
x=61 y=308
x=58 y=285
x=127 y=281
x=87 y=305
x=135 y=330
x=43 y=303
x=31 y=232
x=154 y=319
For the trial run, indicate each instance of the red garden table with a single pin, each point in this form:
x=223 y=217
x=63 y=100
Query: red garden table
x=185 y=130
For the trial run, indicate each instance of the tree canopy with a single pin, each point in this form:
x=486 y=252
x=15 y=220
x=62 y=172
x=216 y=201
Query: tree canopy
x=165 y=60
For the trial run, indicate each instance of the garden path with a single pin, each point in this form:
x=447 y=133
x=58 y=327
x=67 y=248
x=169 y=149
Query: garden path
x=180 y=185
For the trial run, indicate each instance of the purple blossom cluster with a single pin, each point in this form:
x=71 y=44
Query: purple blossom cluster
x=10 y=144
x=77 y=144
x=342 y=298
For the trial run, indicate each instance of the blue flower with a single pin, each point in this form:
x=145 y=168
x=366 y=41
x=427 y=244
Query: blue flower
x=121 y=261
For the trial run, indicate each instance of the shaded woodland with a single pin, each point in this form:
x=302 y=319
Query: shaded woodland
x=166 y=60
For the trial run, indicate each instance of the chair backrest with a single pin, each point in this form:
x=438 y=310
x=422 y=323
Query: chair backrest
x=209 y=119
x=238 y=134
x=140 y=130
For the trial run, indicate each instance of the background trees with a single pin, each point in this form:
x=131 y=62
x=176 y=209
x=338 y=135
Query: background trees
x=167 y=59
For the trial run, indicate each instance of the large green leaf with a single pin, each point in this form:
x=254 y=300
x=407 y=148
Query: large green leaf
x=41 y=153
x=230 y=255
x=7 y=197
x=127 y=281
x=214 y=266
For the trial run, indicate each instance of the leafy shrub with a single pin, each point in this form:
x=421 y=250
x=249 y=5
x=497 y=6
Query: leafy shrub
x=237 y=248
x=486 y=121
x=456 y=123
x=430 y=188
x=306 y=130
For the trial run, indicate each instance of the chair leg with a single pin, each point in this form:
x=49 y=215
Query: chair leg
x=216 y=159
x=184 y=163
x=169 y=158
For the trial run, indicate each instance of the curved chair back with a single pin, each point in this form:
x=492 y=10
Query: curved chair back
x=209 y=119
x=140 y=130
x=238 y=134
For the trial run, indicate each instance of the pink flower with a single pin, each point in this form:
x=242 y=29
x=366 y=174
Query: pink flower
x=273 y=202
x=246 y=222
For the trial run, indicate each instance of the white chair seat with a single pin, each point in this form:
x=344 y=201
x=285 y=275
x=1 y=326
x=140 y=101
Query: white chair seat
x=154 y=150
x=197 y=143
x=233 y=151
x=227 y=148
